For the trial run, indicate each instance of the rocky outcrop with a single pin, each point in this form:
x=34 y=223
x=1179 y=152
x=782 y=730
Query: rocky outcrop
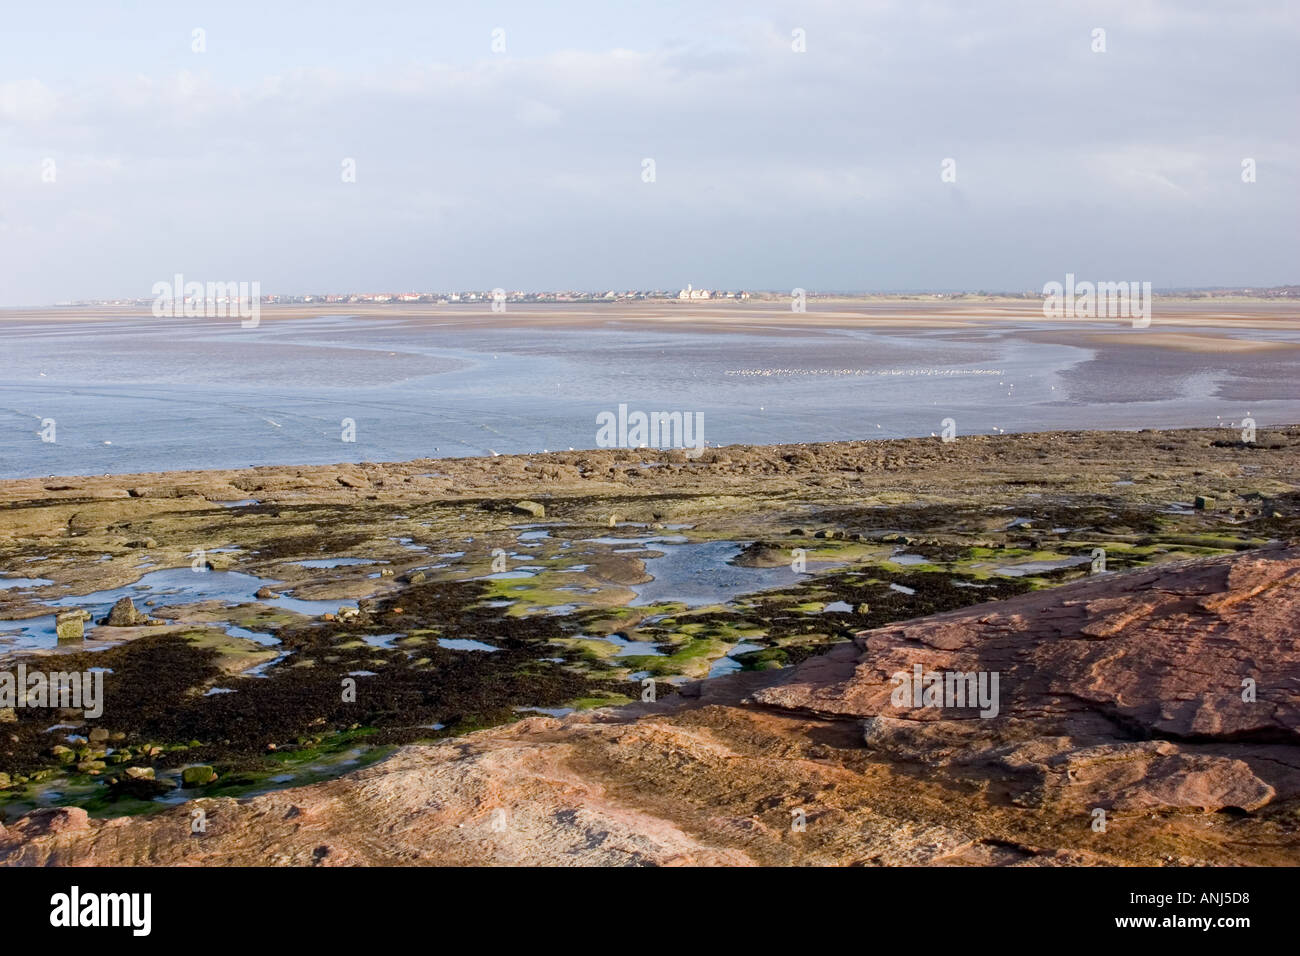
x=762 y=554
x=1147 y=698
x=1176 y=687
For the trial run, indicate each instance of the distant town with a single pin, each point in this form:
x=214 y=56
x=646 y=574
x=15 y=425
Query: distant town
x=689 y=293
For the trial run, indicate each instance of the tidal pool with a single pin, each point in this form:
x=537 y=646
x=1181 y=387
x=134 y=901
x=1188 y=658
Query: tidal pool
x=699 y=573
x=165 y=588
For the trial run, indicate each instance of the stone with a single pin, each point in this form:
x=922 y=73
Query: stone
x=530 y=508
x=98 y=736
x=70 y=625
x=124 y=614
x=52 y=820
x=762 y=554
x=198 y=776
x=1204 y=503
x=140 y=783
x=1097 y=706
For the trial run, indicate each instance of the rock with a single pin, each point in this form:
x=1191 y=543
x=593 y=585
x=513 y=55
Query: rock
x=417 y=577
x=4 y=780
x=198 y=776
x=8 y=715
x=124 y=614
x=64 y=754
x=863 y=608
x=98 y=736
x=762 y=554
x=1096 y=704
x=70 y=625
x=265 y=594
x=1120 y=691
x=140 y=783
x=1204 y=503
x=530 y=508
x=51 y=820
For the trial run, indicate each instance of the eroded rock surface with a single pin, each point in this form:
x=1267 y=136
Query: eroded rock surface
x=1122 y=693
x=1170 y=688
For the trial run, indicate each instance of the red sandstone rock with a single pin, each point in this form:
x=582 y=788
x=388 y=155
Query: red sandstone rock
x=1172 y=687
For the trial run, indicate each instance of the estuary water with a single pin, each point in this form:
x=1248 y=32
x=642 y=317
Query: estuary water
x=135 y=393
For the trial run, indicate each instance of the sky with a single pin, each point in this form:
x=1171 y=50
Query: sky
x=506 y=145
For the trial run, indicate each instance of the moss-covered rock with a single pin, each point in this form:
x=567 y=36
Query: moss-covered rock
x=198 y=776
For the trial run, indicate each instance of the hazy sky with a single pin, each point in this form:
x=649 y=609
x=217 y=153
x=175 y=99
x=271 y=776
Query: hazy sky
x=524 y=168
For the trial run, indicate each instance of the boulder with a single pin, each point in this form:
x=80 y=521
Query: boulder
x=124 y=614
x=530 y=508
x=762 y=554
x=70 y=625
x=140 y=783
x=198 y=776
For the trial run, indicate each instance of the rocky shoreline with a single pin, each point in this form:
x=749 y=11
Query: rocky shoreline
x=1136 y=578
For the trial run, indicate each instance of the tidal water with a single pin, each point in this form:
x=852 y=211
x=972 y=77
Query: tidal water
x=143 y=394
